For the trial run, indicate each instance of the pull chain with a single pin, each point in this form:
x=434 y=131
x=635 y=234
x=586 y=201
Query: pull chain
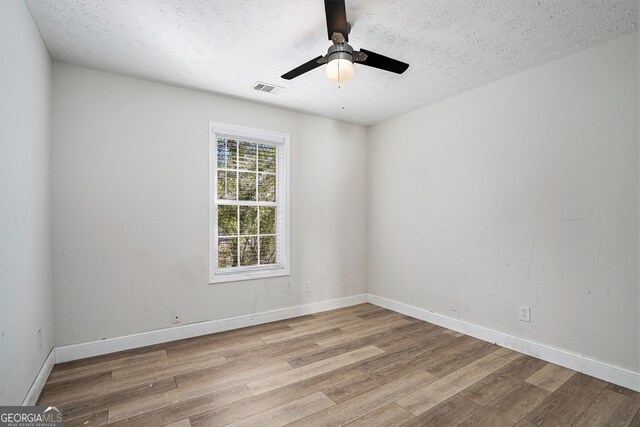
x=340 y=92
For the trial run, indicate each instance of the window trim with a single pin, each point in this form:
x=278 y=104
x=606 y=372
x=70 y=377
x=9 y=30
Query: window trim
x=250 y=272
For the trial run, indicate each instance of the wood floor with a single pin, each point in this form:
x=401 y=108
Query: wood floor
x=361 y=366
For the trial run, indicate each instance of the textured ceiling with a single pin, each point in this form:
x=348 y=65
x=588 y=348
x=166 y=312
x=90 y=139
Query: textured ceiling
x=224 y=46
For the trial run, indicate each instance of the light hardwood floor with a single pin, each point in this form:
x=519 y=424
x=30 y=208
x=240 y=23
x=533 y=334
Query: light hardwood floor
x=361 y=366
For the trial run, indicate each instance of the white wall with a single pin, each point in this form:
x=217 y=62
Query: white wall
x=25 y=225
x=130 y=206
x=524 y=191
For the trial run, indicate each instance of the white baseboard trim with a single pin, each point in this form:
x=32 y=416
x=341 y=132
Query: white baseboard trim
x=38 y=384
x=110 y=345
x=577 y=362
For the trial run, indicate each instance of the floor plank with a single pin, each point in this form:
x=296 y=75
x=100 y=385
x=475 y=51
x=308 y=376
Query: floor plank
x=504 y=379
x=266 y=401
x=623 y=391
x=92 y=404
x=224 y=379
x=416 y=349
x=183 y=409
x=367 y=402
x=105 y=393
x=585 y=386
x=450 y=362
x=558 y=409
x=297 y=374
x=353 y=387
x=362 y=331
x=517 y=402
x=430 y=396
x=486 y=418
x=289 y=412
x=106 y=366
x=244 y=369
x=408 y=334
x=97 y=418
x=173 y=397
x=228 y=350
x=449 y=413
x=336 y=320
x=380 y=340
x=166 y=369
x=75 y=386
x=550 y=377
x=609 y=408
x=509 y=354
x=388 y=416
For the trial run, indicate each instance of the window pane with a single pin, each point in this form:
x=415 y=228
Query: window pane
x=227 y=220
x=267 y=187
x=227 y=185
x=268 y=250
x=267 y=220
x=266 y=158
x=248 y=251
x=247 y=190
x=248 y=220
x=227 y=153
x=247 y=156
x=222 y=153
x=227 y=252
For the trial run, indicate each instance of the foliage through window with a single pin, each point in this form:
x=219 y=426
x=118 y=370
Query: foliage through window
x=250 y=218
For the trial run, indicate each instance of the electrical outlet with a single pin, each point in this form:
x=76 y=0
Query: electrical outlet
x=307 y=286
x=177 y=317
x=525 y=313
x=39 y=340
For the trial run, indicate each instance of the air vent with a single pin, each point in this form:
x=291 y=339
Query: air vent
x=266 y=87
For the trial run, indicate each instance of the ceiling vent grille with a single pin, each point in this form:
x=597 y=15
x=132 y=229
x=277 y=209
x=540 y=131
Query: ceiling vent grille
x=266 y=87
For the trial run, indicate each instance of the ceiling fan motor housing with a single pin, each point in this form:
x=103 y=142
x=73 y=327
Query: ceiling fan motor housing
x=339 y=51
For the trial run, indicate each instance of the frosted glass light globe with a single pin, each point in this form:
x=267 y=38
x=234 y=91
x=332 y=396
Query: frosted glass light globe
x=340 y=70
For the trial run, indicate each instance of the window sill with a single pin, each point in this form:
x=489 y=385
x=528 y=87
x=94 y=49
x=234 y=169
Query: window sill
x=248 y=275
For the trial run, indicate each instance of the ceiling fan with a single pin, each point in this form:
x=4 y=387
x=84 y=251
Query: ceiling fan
x=340 y=57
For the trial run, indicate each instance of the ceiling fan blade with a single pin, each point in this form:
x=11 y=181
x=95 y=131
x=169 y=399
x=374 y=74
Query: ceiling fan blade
x=336 y=18
x=307 y=66
x=382 y=62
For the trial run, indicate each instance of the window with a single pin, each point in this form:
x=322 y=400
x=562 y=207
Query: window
x=249 y=203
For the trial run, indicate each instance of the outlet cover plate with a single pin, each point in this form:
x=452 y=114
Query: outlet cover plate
x=177 y=317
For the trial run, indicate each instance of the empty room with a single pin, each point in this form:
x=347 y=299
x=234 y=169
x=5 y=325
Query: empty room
x=319 y=213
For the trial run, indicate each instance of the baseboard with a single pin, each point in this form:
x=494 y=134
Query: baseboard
x=38 y=384
x=577 y=362
x=110 y=345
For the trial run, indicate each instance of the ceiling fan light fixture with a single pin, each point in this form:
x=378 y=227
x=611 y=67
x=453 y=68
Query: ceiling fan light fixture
x=340 y=57
x=340 y=70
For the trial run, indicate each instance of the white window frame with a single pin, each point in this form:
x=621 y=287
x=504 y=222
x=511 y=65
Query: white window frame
x=250 y=272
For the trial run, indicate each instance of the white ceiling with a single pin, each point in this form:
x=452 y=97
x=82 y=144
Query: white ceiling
x=224 y=46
